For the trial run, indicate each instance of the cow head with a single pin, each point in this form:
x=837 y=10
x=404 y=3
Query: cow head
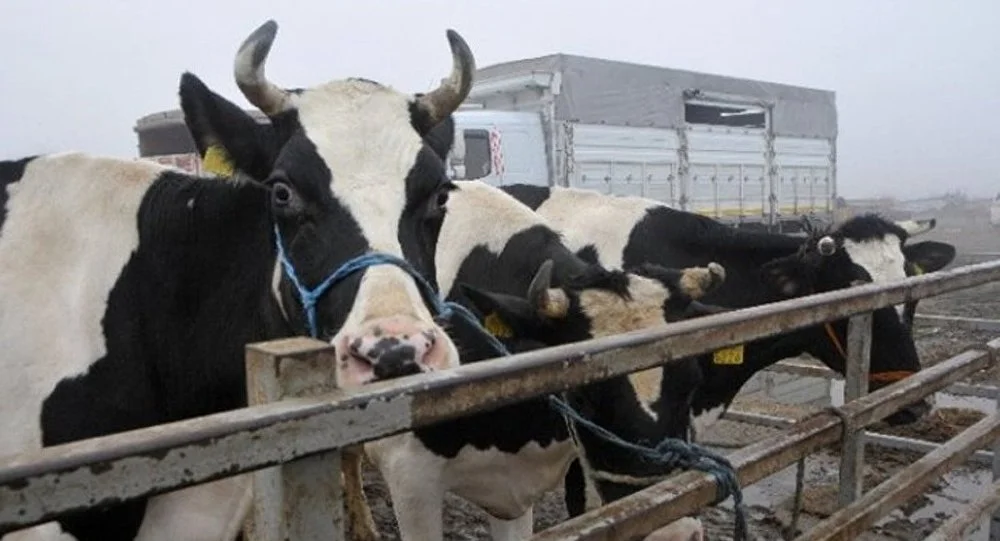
x=864 y=249
x=597 y=303
x=348 y=171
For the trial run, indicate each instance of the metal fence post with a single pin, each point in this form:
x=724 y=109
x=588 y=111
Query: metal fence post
x=303 y=499
x=995 y=516
x=852 y=455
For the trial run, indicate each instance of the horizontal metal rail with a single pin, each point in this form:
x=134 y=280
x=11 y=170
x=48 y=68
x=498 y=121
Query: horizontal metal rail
x=39 y=486
x=643 y=512
x=873 y=438
x=808 y=370
x=962 y=524
x=973 y=323
x=850 y=522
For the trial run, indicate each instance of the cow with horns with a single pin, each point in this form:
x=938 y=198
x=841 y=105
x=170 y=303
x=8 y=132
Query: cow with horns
x=130 y=290
x=511 y=269
x=762 y=267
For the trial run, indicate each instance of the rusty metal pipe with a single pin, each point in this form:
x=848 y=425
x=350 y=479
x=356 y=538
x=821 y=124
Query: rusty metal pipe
x=851 y=521
x=41 y=485
x=643 y=512
x=962 y=524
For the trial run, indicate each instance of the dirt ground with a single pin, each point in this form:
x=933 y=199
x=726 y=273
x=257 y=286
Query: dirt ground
x=768 y=505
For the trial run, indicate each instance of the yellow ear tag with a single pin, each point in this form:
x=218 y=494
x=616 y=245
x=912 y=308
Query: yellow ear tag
x=216 y=161
x=732 y=355
x=496 y=326
x=917 y=271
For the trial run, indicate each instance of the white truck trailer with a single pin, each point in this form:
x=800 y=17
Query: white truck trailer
x=747 y=152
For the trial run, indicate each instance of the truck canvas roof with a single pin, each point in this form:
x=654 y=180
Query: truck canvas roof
x=600 y=91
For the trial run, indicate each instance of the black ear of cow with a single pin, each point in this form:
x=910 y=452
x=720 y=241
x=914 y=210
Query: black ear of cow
x=516 y=312
x=929 y=255
x=442 y=137
x=214 y=120
x=786 y=277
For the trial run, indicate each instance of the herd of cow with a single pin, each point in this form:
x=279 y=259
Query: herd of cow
x=130 y=291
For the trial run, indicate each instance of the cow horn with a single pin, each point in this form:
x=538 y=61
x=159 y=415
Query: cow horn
x=826 y=245
x=249 y=71
x=445 y=99
x=551 y=302
x=917 y=227
x=696 y=282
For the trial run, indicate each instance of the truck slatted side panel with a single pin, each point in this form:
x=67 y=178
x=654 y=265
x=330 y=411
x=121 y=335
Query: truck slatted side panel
x=625 y=161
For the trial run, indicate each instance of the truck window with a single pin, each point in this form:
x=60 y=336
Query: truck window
x=478 y=162
x=735 y=116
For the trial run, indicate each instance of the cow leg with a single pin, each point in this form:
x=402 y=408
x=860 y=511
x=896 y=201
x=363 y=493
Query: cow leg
x=414 y=477
x=208 y=512
x=685 y=529
x=359 y=514
x=518 y=529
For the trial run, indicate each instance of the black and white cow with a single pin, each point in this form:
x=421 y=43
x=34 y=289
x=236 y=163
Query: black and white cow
x=130 y=290
x=504 y=460
x=761 y=268
x=501 y=260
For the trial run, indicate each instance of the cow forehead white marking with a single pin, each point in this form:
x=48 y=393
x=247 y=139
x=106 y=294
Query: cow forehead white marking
x=477 y=214
x=71 y=227
x=363 y=133
x=882 y=258
x=610 y=314
x=588 y=217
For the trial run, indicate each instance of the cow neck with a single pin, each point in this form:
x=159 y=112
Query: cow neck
x=214 y=239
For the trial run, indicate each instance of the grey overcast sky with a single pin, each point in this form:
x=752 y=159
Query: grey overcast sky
x=917 y=81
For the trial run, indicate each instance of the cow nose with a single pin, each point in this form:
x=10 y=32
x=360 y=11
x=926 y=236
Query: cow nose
x=393 y=347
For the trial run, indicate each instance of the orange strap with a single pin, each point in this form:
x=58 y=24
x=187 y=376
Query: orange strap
x=878 y=377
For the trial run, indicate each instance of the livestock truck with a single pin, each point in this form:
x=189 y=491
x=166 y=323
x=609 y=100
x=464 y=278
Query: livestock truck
x=751 y=153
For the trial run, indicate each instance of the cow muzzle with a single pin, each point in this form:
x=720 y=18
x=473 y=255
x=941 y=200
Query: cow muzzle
x=389 y=348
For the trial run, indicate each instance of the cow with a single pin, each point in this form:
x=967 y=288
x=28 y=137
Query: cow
x=762 y=267
x=511 y=270
x=130 y=289
x=505 y=459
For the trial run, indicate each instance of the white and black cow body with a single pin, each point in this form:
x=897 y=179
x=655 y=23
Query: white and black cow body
x=761 y=268
x=489 y=254
x=130 y=289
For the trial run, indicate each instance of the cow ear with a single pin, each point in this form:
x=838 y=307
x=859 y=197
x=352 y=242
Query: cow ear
x=442 y=137
x=225 y=135
x=504 y=316
x=929 y=256
x=786 y=277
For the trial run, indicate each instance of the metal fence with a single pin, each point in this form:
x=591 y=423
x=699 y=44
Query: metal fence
x=297 y=424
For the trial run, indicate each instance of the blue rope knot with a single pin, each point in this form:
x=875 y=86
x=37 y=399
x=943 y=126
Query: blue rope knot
x=671 y=453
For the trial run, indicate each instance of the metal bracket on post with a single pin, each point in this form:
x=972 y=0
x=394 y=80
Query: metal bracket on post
x=852 y=455
x=300 y=500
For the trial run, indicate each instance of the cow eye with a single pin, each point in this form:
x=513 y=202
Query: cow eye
x=435 y=207
x=281 y=195
x=441 y=199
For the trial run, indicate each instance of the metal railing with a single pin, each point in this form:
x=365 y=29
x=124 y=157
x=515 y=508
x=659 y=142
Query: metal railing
x=290 y=435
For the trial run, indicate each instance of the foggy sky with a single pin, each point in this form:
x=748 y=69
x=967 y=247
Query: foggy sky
x=917 y=82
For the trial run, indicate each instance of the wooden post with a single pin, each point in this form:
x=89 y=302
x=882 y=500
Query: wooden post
x=300 y=500
x=852 y=456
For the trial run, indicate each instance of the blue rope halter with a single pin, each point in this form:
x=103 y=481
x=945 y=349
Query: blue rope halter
x=670 y=453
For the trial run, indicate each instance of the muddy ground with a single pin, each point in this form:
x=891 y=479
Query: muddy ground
x=769 y=502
